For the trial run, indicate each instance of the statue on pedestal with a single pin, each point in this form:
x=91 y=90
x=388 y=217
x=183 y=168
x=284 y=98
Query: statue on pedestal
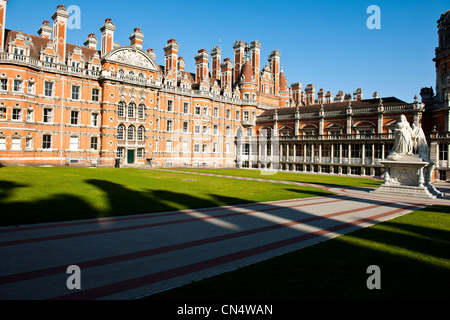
x=403 y=140
x=408 y=169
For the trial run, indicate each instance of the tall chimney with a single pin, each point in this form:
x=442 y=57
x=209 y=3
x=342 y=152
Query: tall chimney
x=60 y=32
x=107 y=36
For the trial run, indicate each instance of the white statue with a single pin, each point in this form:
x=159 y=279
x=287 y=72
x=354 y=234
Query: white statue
x=408 y=141
x=420 y=143
x=403 y=140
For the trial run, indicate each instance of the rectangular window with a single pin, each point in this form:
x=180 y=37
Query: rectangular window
x=169 y=146
x=75 y=92
x=95 y=95
x=216 y=112
x=18 y=85
x=197 y=110
x=94 y=119
x=204 y=148
x=205 y=111
x=29 y=144
x=141 y=111
x=238 y=115
x=74 y=143
x=4 y=84
x=170 y=105
x=196 y=148
x=2 y=113
x=16 y=144
x=216 y=129
x=48 y=89
x=205 y=130
x=46 y=141
x=16 y=114
x=2 y=143
x=245 y=149
x=185 y=127
x=186 y=108
x=228 y=113
x=246 y=116
x=30 y=88
x=74 y=117
x=196 y=128
x=94 y=143
x=48 y=115
x=169 y=125
x=140 y=153
x=185 y=146
x=120 y=152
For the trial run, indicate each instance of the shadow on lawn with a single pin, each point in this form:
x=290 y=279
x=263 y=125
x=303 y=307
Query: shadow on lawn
x=337 y=270
x=328 y=270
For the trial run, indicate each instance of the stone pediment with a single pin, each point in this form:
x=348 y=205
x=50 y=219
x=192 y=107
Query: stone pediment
x=131 y=57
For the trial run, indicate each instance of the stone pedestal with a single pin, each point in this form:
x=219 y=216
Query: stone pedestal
x=409 y=176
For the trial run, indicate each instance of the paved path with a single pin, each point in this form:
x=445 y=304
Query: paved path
x=127 y=257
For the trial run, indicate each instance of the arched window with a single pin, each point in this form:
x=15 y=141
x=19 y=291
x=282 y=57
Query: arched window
x=120 y=132
x=121 y=109
x=141 y=133
x=130 y=133
x=131 y=110
x=141 y=109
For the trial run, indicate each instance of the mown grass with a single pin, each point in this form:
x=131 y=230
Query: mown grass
x=323 y=179
x=37 y=194
x=411 y=251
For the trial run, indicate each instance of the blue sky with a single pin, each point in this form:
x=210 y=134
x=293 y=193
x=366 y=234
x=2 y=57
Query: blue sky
x=326 y=43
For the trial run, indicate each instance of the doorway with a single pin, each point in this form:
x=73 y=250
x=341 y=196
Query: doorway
x=130 y=156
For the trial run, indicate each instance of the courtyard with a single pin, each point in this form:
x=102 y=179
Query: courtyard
x=215 y=234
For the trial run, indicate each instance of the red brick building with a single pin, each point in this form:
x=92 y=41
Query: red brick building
x=101 y=102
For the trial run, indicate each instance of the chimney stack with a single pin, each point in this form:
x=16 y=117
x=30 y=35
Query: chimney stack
x=107 y=36
x=46 y=30
x=60 y=32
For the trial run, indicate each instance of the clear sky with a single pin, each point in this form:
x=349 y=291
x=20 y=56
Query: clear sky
x=326 y=43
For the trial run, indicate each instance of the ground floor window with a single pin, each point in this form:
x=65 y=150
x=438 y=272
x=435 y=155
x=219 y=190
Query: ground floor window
x=120 y=152
x=46 y=141
x=443 y=175
x=94 y=143
x=140 y=152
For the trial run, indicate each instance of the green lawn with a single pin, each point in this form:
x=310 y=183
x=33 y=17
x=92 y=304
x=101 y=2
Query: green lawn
x=297 y=177
x=38 y=194
x=412 y=252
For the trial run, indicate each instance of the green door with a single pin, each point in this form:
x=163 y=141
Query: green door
x=130 y=156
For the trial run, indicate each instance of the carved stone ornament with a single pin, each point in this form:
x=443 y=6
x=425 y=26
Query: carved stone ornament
x=132 y=57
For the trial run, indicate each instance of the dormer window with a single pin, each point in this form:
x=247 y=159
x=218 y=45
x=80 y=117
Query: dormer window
x=19 y=51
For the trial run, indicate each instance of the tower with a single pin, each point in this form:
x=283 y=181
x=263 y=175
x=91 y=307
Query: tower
x=255 y=47
x=239 y=53
x=201 y=65
x=216 y=55
x=107 y=36
x=60 y=32
x=226 y=74
x=296 y=93
x=442 y=59
x=171 y=57
x=3 y=4
x=274 y=61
